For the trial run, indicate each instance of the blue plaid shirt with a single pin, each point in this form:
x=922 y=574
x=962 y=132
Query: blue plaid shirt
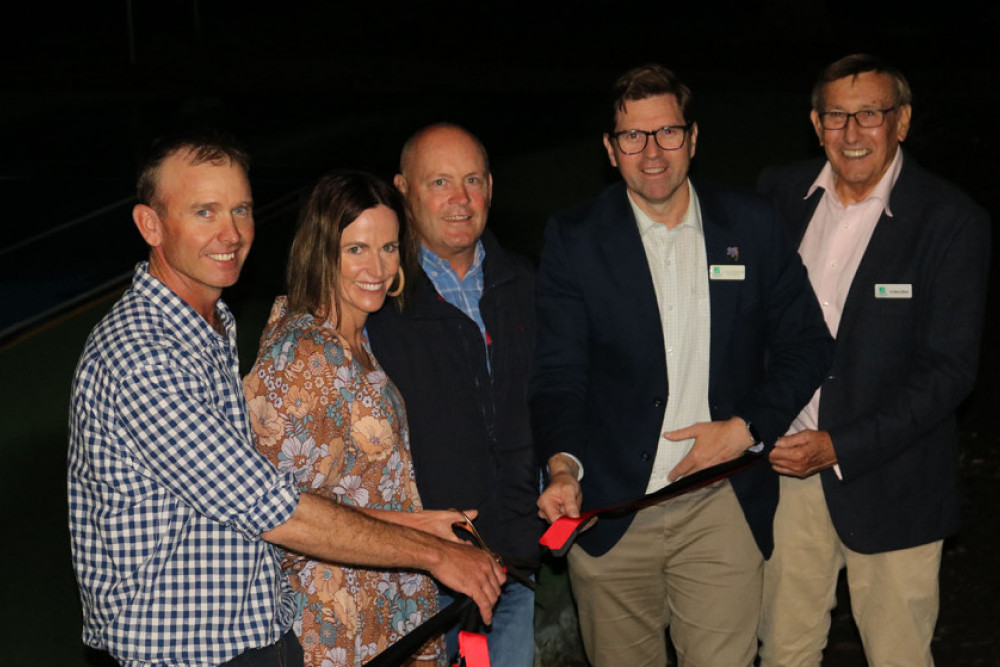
x=167 y=494
x=462 y=293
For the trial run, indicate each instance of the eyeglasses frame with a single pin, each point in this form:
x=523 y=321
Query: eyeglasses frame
x=652 y=133
x=848 y=116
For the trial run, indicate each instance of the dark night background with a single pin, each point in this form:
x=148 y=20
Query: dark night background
x=314 y=86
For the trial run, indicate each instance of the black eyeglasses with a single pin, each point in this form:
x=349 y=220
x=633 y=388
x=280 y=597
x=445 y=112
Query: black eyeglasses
x=669 y=138
x=837 y=120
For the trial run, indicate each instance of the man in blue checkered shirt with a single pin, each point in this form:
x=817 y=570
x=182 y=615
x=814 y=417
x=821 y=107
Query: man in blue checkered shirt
x=172 y=511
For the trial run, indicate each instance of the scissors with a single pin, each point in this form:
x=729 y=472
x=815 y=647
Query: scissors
x=471 y=528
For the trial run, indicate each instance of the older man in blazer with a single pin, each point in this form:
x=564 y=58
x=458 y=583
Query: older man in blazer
x=667 y=307
x=899 y=260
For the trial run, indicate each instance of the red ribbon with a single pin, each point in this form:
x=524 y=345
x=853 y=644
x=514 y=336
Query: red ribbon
x=563 y=531
x=472 y=650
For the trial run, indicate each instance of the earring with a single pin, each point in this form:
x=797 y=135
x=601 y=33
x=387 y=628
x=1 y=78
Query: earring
x=402 y=281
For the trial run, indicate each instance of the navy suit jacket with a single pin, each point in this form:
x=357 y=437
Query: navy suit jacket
x=600 y=386
x=901 y=366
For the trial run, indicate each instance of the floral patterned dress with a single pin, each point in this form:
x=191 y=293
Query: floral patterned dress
x=341 y=430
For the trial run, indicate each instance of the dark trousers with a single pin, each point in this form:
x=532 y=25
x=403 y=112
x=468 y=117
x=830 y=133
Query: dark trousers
x=286 y=652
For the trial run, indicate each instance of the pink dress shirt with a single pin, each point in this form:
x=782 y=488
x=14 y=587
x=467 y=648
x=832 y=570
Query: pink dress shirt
x=832 y=248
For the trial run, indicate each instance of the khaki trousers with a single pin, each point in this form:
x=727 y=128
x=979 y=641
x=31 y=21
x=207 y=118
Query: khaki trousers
x=894 y=595
x=690 y=563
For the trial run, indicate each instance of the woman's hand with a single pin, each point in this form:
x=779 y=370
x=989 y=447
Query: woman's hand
x=441 y=522
x=436 y=522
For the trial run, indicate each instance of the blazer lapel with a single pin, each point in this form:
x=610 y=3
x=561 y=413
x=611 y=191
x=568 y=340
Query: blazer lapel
x=721 y=248
x=630 y=278
x=803 y=211
x=723 y=294
x=887 y=241
x=884 y=243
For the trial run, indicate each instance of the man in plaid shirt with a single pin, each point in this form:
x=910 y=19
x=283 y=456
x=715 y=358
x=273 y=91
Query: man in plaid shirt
x=172 y=511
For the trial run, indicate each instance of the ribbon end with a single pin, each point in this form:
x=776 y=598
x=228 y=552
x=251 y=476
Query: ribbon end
x=563 y=531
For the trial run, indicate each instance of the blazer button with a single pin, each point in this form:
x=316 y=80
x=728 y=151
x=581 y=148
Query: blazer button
x=645 y=457
x=658 y=403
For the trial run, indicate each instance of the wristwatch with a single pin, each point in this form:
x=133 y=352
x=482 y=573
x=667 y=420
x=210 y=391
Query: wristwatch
x=753 y=432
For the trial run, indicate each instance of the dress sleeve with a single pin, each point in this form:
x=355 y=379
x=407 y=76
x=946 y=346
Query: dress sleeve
x=296 y=423
x=291 y=394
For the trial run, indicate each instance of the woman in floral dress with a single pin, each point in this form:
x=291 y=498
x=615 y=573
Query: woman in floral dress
x=323 y=410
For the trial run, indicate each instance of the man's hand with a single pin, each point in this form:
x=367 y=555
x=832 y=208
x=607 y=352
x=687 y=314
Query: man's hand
x=563 y=496
x=802 y=454
x=324 y=529
x=714 y=443
x=473 y=572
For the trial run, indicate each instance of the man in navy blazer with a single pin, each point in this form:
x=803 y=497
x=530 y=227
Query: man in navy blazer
x=899 y=260
x=667 y=307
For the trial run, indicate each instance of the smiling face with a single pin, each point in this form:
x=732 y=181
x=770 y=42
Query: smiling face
x=448 y=190
x=860 y=156
x=369 y=261
x=201 y=229
x=656 y=178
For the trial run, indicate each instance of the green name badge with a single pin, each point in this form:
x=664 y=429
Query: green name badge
x=893 y=291
x=727 y=272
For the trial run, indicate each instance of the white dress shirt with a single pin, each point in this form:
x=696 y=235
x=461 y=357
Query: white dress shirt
x=679 y=269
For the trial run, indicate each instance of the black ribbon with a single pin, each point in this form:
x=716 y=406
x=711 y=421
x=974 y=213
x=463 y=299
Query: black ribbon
x=558 y=538
x=410 y=643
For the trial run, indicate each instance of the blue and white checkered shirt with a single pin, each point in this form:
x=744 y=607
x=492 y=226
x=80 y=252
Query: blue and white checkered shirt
x=167 y=494
x=462 y=293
